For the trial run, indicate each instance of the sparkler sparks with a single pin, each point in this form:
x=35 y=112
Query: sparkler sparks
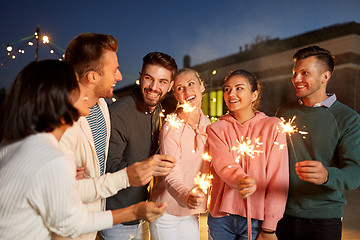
x=173 y=120
x=186 y=106
x=246 y=148
x=206 y=157
x=281 y=146
x=290 y=128
x=203 y=181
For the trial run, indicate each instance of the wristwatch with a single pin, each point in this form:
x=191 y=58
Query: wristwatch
x=268 y=232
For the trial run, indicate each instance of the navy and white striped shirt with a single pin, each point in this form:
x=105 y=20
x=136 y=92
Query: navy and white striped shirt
x=98 y=129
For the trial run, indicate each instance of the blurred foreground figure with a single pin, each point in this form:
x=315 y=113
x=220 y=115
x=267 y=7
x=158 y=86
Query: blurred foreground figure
x=37 y=181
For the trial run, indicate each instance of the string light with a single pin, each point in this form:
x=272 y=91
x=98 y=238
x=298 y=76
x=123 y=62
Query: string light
x=13 y=50
x=45 y=39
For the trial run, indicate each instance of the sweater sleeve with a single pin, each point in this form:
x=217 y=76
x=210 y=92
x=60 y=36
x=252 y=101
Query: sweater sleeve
x=107 y=185
x=170 y=144
x=277 y=178
x=93 y=188
x=222 y=160
x=55 y=197
x=347 y=176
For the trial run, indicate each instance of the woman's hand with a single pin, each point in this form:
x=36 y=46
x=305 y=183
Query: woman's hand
x=246 y=186
x=196 y=197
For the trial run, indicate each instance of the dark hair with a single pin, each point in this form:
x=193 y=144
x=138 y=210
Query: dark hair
x=40 y=99
x=251 y=78
x=319 y=53
x=84 y=52
x=160 y=59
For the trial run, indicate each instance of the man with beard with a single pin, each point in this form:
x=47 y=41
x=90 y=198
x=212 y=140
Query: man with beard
x=135 y=123
x=327 y=161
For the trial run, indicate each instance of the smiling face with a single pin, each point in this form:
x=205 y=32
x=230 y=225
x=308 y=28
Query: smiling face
x=155 y=82
x=109 y=76
x=187 y=87
x=310 y=80
x=238 y=95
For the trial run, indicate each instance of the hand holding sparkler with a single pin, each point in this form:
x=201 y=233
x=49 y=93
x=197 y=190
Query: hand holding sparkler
x=246 y=186
x=312 y=171
x=196 y=198
x=197 y=194
x=163 y=164
x=148 y=211
x=140 y=173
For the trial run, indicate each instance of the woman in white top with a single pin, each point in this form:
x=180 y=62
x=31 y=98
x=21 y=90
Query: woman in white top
x=38 y=191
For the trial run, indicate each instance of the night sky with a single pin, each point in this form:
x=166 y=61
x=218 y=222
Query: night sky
x=205 y=30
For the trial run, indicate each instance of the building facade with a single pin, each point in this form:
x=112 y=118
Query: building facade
x=271 y=61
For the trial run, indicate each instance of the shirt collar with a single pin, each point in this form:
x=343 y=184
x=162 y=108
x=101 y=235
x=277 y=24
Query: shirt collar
x=326 y=103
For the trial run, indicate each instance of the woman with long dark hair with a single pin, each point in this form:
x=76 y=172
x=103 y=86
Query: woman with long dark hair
x=39 y=195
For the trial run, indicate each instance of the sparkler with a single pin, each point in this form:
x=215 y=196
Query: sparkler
x=202 y=182
x=289 y=128
x=246 y=148
x=174 y=121
x=206 y=157
x=186 y=106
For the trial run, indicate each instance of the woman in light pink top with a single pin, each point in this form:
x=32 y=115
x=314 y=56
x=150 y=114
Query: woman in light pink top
x=185 y=142
x=260 y=174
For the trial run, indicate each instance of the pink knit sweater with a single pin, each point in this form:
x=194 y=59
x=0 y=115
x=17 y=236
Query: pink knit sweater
x=187 y=146
x=269 y=167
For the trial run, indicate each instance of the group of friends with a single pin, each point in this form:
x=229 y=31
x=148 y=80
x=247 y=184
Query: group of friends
x=72 y=167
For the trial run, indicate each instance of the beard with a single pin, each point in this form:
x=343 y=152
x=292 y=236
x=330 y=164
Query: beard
x=152 y=102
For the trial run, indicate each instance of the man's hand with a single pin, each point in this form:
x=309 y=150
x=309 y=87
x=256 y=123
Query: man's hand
x=163 y=164
x=140 y=173
x=312 y=171
x=149 y=211
x=196 y=197
x=246 y=186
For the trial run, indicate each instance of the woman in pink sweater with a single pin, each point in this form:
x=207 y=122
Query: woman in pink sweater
x=186 y=143
x=262 y=175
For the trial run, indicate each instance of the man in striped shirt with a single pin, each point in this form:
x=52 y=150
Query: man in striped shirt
x=93 y=57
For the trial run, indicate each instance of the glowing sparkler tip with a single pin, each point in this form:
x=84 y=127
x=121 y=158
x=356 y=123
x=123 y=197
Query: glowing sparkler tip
x=206 y=157
x=186 y=106
x=203 y=181
x=173 y=120
x=289 y=127
x=246 y=148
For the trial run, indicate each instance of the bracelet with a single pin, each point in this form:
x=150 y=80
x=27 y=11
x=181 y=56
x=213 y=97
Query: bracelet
x=268 y=232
